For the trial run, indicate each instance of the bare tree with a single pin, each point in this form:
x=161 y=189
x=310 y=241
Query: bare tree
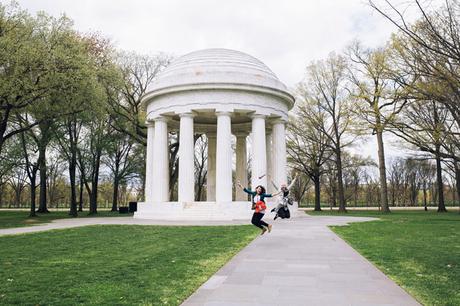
x=201 y=167
x=424 y=126
x=308 y=146
x=123 y=162
x=138 y=72
x=427 y=59
x=377 y=99
x=328 y=89
x=426 y=172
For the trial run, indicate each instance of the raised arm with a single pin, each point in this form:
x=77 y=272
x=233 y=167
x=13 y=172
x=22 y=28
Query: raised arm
x=275 y=194
x=245 y=189
x=292 y=182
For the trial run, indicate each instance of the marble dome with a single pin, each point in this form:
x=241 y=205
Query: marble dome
x=218 y=68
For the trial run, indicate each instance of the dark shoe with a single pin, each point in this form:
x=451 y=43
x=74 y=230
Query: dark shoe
x=275 y=217
x=273 y=210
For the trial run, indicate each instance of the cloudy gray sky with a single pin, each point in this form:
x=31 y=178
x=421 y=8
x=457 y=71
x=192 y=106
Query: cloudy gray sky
x=286 y=35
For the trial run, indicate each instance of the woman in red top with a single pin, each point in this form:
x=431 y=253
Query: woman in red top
x=258 y=204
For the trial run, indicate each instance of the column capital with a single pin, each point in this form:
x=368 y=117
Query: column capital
x=257 y=115
x=161 y=119
x=279 y=121
x=223 y=113
x=241 y=134
x=149 y=123
x=187 y=114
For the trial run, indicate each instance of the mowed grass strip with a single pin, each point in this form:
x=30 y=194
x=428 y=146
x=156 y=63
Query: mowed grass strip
x=9 y=219
x=114 y=264
x=419 y=250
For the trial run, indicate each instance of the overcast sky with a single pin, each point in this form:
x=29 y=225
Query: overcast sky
x=285 y=35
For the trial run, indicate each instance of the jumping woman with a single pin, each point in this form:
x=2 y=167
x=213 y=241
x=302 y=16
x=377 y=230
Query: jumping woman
x=258 y=204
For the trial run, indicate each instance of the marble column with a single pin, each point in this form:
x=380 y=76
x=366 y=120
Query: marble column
x=269 y=145
x=224 y=158
x=149 y=164
x=279 y=152
x=259 y=151
x=161 y=160
x=241 y=165
x=211 y=176
x=186 y=192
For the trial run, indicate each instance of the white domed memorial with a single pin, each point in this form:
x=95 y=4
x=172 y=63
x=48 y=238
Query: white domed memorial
x=223 y=94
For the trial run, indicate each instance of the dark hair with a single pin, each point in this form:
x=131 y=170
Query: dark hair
x=262 y=187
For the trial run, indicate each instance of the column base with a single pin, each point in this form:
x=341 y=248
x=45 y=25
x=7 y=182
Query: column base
x=202 y=211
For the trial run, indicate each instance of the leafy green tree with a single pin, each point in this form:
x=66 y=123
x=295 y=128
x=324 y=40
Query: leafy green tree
x=85 y=94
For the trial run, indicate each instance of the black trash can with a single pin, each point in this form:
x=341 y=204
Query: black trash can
x=132 y=207
x=123 y=209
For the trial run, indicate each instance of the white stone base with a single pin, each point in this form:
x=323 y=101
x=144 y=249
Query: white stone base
x=202 y=211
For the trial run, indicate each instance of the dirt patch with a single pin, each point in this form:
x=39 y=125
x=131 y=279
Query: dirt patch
x=28 y=221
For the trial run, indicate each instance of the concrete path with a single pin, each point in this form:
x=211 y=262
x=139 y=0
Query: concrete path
x=69 y=223
x=301 y=262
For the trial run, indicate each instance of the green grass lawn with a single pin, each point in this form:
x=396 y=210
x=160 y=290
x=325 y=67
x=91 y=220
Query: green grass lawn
x=419 y=250
x=21 y=218
x=114 y=264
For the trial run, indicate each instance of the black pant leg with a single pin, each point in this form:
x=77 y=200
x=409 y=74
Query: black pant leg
x=256 y=219
x=263 y=223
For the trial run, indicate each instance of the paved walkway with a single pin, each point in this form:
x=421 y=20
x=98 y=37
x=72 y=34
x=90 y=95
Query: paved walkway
x=301 y=262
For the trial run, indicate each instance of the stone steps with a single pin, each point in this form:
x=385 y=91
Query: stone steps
x=200 y=211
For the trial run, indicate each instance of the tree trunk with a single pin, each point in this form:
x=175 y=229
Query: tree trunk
x=4 y=116
x=80 y=200
x=42 y=207
x=439 y=183
x=42 y=144
x=93 y=199
x=333 y=192
x=73 y=135
x=317 y=183
x=1 y=193
x=355 y=196
x=73 y=187
x=382 y=170
x=340 y=189
x=457 y=182
x=94 y=185
x=424 y=197
x=115 y=193
x=33 y=190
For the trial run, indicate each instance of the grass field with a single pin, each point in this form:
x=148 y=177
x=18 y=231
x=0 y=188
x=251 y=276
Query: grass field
x=114 y=264
x=13 y=218
x=419 y=250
